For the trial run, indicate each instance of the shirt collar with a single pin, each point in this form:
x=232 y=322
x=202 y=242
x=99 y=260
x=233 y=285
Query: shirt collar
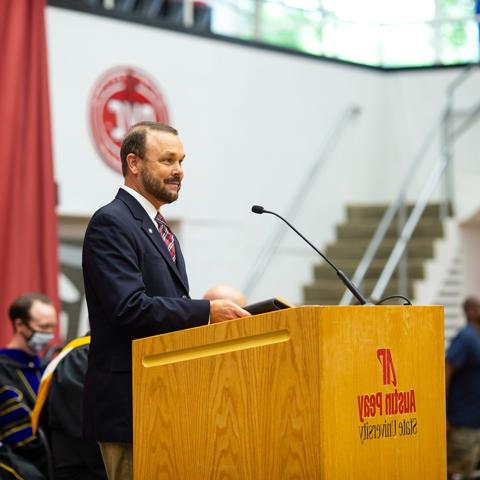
x=147 y=206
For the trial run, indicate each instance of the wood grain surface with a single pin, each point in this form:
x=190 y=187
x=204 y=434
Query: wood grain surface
x=275 y=396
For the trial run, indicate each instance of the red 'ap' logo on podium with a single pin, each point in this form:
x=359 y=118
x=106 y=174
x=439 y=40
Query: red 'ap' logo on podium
x=384 y=356
x=387 y=413
x=121 y=97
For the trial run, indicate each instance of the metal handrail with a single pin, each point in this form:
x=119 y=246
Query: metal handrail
x=416 y=213
x=271 y=245
x=409 y=228
x=391 y=212
x=430 y=185
x=320 y=18
x=330 y=15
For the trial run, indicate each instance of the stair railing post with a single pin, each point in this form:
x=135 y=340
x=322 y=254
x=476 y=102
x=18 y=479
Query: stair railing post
x=402 y=272
x=448 y=135
x=448 y=139
x=188 y=14
x=392 y=210
x=257 y=25
x=420 y=205
x=447 y=155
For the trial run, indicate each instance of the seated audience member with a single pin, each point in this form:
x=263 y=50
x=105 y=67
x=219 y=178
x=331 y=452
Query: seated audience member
x=463 y=395
x=59 y=410
x=225 y=292
x=15 y=467
x=34 y=320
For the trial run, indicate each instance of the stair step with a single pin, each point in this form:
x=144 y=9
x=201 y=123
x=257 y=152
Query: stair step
x=353 y=238
x=415 y=269
x=321 y=290
x=354 y=249
x=450 y=294
x=453 y=282
x=429 y=228
x=368 y=211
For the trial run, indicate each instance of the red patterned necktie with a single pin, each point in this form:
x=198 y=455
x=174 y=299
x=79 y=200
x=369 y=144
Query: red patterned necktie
x=166 y=234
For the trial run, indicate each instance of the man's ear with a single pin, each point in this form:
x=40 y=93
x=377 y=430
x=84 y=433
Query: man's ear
x=132 y=163
x=17 y=323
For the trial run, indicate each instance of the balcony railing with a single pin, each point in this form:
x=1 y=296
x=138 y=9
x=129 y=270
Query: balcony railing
x=313 y=30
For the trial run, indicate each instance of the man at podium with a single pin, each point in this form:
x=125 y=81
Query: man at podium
x=136 y=285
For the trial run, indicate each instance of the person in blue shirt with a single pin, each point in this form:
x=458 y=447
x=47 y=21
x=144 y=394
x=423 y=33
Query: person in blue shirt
x=477 y=15
x=34 y=320
x=462 y=371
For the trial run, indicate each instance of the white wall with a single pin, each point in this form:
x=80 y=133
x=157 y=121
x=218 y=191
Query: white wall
x=252 y=122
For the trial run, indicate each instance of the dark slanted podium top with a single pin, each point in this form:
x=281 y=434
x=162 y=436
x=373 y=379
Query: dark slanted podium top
x=269 y=305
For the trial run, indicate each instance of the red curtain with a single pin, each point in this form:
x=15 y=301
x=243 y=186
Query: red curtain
x=28 y=229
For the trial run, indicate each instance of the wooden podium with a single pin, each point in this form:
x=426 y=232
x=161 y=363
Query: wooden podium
x=305 y=393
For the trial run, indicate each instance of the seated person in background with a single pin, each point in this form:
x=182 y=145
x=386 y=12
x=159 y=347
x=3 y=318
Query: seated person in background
x=15 y=467
x=34 y=320
x=59 y=410
x=225 y=292
x=462 y=371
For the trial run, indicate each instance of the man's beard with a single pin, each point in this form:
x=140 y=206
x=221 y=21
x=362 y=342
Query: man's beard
x=157 y=188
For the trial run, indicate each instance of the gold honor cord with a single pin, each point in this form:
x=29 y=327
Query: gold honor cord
x=12 y=471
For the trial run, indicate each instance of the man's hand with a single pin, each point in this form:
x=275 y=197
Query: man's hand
x=221 y=310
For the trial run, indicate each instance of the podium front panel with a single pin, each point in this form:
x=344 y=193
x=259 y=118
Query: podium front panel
x=304 y=393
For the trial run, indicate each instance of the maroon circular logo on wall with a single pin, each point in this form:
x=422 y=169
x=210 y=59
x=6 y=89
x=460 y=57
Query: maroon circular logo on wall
x=122 y=97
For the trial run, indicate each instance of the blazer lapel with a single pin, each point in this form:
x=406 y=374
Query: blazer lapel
x=181 y=263
x=153 y=234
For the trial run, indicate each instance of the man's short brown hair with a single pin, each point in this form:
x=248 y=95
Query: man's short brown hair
x=135 y=140
x=20 y=308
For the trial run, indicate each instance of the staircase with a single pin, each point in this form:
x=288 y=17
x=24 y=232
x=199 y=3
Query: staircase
x=353 y=237
x=451 y=296
x=443 y=282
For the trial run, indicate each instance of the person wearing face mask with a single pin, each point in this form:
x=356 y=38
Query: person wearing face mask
x=34 y=320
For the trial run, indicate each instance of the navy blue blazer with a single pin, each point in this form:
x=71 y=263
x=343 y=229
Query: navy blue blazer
x=133 y=290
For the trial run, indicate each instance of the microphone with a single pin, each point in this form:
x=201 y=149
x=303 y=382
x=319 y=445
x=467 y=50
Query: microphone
x=258 y=209
x=345 y=280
